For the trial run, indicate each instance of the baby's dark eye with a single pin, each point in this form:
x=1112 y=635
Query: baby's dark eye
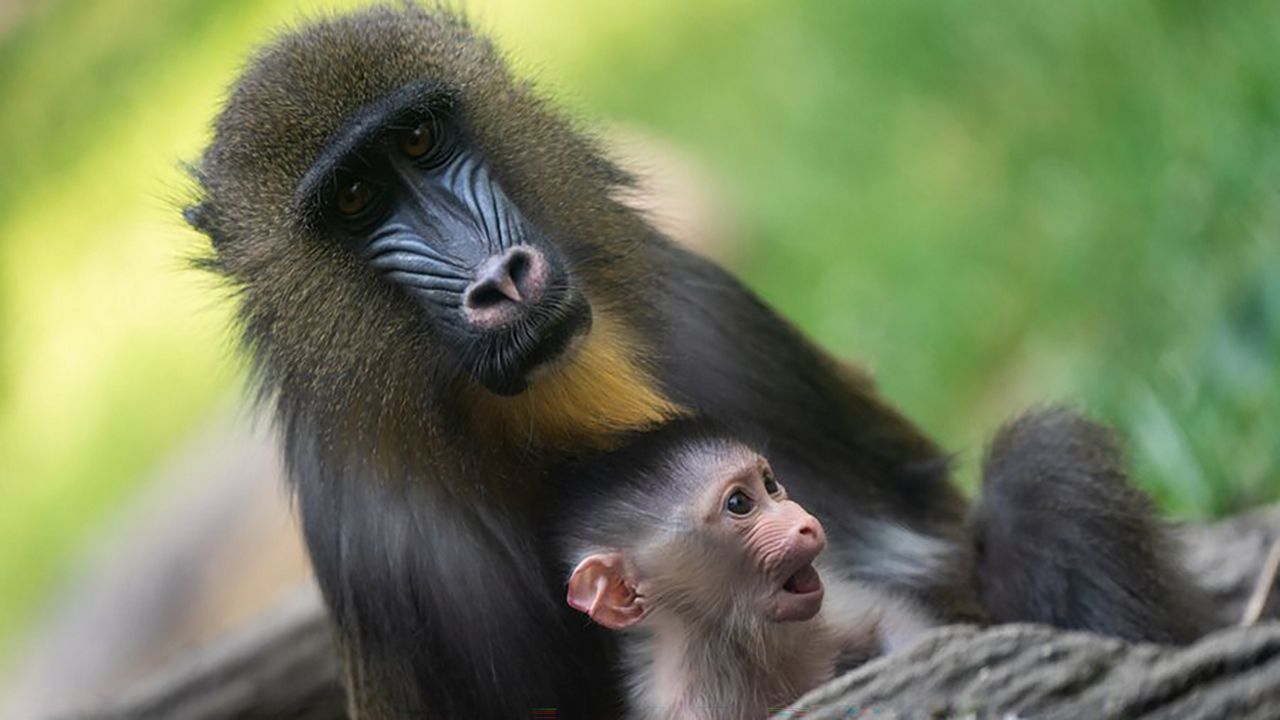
x=739 y=503
x=771 y=485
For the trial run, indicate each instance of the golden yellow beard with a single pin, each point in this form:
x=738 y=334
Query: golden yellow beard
x=600 y=390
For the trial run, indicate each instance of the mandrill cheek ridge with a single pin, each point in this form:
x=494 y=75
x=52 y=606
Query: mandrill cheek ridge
x=403 y=242
x=499 y=219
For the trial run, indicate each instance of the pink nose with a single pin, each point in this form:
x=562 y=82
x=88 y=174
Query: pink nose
x=809 y=532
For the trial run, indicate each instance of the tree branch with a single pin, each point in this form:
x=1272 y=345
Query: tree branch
x=286 y=667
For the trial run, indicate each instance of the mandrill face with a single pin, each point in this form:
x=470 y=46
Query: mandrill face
x=406 y=192
x=388 y=210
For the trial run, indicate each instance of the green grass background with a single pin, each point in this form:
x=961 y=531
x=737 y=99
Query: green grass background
x=989 y=204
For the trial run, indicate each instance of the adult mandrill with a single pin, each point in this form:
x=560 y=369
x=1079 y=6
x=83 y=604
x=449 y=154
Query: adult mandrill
x=442 y=299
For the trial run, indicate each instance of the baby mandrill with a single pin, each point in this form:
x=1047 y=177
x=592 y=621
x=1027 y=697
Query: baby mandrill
x=696 y=552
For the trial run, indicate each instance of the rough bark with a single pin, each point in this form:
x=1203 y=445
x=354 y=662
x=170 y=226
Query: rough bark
x=1226 y=557
x=286 y=667
x=1029 y=671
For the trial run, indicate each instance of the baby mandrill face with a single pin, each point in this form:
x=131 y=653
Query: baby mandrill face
x=777 y=538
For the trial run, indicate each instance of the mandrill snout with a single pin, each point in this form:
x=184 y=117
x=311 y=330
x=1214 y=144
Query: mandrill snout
x=505 y=286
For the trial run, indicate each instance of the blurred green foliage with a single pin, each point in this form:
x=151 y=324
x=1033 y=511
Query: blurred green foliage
x=989 y=204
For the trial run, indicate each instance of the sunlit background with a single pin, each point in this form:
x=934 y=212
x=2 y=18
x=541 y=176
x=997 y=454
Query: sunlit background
x=988 y=204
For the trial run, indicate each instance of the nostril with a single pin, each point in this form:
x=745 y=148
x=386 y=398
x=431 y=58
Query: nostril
x=484 y=295
x=811 y=533
x=519 y=263
x=494 y=284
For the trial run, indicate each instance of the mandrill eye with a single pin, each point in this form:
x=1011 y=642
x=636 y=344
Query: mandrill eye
x=771 y=485
x=739 y=503
x=417 y=142
x=353 y=197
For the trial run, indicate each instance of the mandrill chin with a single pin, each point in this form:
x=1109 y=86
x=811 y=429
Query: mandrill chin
x=442 y=301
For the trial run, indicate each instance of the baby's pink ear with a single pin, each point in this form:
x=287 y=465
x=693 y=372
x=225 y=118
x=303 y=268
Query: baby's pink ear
x=599 y=587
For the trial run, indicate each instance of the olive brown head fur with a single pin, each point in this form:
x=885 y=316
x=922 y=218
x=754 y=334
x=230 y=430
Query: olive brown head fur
x=443 y=299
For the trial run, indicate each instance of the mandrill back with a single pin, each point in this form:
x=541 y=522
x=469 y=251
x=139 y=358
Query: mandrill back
x=441 y=299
